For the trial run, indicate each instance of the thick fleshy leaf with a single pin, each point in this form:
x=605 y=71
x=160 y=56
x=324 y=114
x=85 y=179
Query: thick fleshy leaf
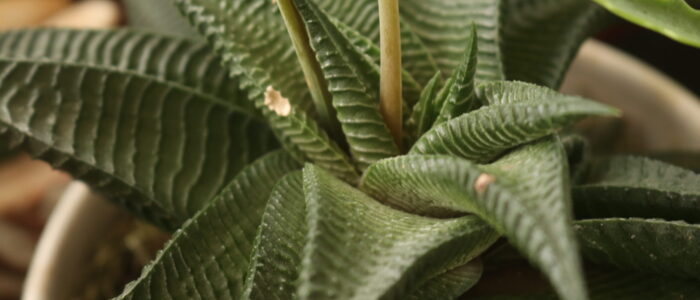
x=450 y=284
x=423 y=113
x=638 y=187
x=158 y=15
x=208 y=257
x=524 y=195
x=176 y=61
x=363 y=17
x=358 y=248
x=252 y=41
x=410 y=87
x=444 y=27
x=541 y=37
x=158 y=148
x=460 y=98
x=277 y=253
x=673 y=18
x=657 y=246
x=305 y=141
x=251 y=38
x=484 y=134
x=353 y=82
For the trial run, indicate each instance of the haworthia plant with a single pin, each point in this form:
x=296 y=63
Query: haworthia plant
x=272 y=194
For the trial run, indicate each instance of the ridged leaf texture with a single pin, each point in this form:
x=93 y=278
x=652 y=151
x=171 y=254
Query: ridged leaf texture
x=648 y=245
x=515 y=116
x=541 y=37
x=410 y=87
x=524 y=195
x=638 y=187
x=444 y=27
x=385 y=251
x=178 y=61
x=208 y=257
x=149 y=140
x=451 y=284
x=353 y=82
x=460 y=97
x=297 y=251
x=262 y=58
x=424 y=112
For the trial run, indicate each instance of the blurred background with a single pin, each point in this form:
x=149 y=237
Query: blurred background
x=29 y=189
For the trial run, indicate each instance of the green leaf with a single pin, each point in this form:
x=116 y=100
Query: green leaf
x=523 y=195
x=208 y=257
x=438 y=28
x=410 y=87
x=541 y=37
x=415 y=56
x=264 y=60
x=253 y=43
x=450 y=284
x=484 y=134
x=362 y=16
x=638 y=187
x=444 y=27
x=656 y=246
x=673 y=18
x=358 y=248
x=177 y=61
x=353 y=82
x=277 y=253
x=158 y=148
x=305 y=141
x=460 y=98
x=423 y=113
x=158 y=15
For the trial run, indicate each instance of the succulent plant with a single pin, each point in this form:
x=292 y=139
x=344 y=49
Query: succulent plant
x=293 y=157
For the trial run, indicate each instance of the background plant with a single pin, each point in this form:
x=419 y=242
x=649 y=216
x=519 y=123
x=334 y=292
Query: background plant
x=184 y=134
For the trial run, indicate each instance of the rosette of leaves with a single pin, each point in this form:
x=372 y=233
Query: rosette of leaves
x=269 y=159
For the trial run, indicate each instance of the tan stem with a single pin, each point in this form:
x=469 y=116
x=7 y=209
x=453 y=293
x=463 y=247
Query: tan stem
x=390 y=82
x=309 y=65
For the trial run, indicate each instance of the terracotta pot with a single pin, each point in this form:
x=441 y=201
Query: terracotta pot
x=659 y=115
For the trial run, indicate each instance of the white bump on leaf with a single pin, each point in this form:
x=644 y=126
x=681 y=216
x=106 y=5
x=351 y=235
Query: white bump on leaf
x=482 y=182
x=275 y=101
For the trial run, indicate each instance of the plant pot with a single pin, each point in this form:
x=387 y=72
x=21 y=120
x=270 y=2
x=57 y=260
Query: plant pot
x=659 y=115
x=599 y=72
x=76 y=225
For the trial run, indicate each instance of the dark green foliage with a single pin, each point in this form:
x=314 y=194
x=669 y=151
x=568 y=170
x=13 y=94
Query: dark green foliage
x=168 y=127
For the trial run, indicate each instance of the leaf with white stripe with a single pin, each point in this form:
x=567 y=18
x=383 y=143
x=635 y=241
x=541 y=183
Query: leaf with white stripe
x=541 y=37
x=484 y=134
x=638 y=187
x=461 y=97
x=444 y=27
x=353 y=82
x=251 y=38
x=177 y=61
x=208 y=257
x=524 y=195
x=648 y=245
x=384 y=252
x=156 y=147
x=424 y=112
